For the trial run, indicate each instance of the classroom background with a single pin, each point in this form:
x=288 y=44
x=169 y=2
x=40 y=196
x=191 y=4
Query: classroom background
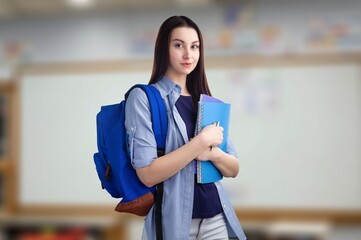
x=290 y=69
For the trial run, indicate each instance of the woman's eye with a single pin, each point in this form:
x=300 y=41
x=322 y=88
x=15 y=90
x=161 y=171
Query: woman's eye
x=178 y=45
x=195 y=46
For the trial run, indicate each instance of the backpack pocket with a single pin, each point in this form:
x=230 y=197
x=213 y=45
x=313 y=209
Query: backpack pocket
x=105 y=175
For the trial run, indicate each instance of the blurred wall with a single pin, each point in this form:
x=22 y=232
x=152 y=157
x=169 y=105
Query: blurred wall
x=261 y=27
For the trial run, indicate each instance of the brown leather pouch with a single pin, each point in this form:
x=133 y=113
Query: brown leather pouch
x=139 y=206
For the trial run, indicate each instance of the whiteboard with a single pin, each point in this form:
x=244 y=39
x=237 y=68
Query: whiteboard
x=58 y=135
x=297 y=131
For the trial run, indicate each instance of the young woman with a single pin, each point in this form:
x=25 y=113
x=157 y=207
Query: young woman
x=189 y=210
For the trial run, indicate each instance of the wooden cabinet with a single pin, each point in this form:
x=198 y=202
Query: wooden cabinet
x=7 y=148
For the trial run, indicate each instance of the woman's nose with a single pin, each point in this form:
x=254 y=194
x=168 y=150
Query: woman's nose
x=186 y=54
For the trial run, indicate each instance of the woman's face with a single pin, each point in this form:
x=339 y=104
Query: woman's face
x=183 y=52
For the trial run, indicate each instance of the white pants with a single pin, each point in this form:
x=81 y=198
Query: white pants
x=209 y=228
x=214 y=228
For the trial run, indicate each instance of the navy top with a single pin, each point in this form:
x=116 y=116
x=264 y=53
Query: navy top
x=206 y=202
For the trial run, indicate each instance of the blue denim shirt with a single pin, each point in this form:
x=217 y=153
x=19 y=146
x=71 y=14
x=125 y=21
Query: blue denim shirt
x=178 y=189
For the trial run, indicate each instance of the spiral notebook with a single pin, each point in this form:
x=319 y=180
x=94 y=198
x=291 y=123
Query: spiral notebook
x=211 y=110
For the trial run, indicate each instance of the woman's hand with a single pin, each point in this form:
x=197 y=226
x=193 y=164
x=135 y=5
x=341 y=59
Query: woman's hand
x=226 y=163
x=210 y=154
x=212 y=135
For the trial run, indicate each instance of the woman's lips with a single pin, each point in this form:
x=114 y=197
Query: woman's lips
x=186 y=64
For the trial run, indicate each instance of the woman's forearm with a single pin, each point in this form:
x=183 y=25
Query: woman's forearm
x=168 y=165
x=227 y=164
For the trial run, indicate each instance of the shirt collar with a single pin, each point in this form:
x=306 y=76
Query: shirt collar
x=166 y=86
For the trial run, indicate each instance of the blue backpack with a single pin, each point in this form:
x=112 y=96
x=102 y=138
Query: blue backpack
x=112 y=160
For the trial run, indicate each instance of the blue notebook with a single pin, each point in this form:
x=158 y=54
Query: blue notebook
x=211 y=110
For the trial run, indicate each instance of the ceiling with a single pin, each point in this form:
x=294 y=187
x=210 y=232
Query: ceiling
x=12 y=9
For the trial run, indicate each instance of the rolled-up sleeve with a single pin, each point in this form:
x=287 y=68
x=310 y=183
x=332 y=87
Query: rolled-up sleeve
x=141 y=141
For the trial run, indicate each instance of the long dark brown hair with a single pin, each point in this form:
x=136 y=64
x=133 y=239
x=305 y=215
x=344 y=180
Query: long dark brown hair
x=196 y=81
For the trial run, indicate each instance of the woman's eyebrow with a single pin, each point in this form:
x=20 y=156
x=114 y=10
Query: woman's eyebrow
x=176 y=39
